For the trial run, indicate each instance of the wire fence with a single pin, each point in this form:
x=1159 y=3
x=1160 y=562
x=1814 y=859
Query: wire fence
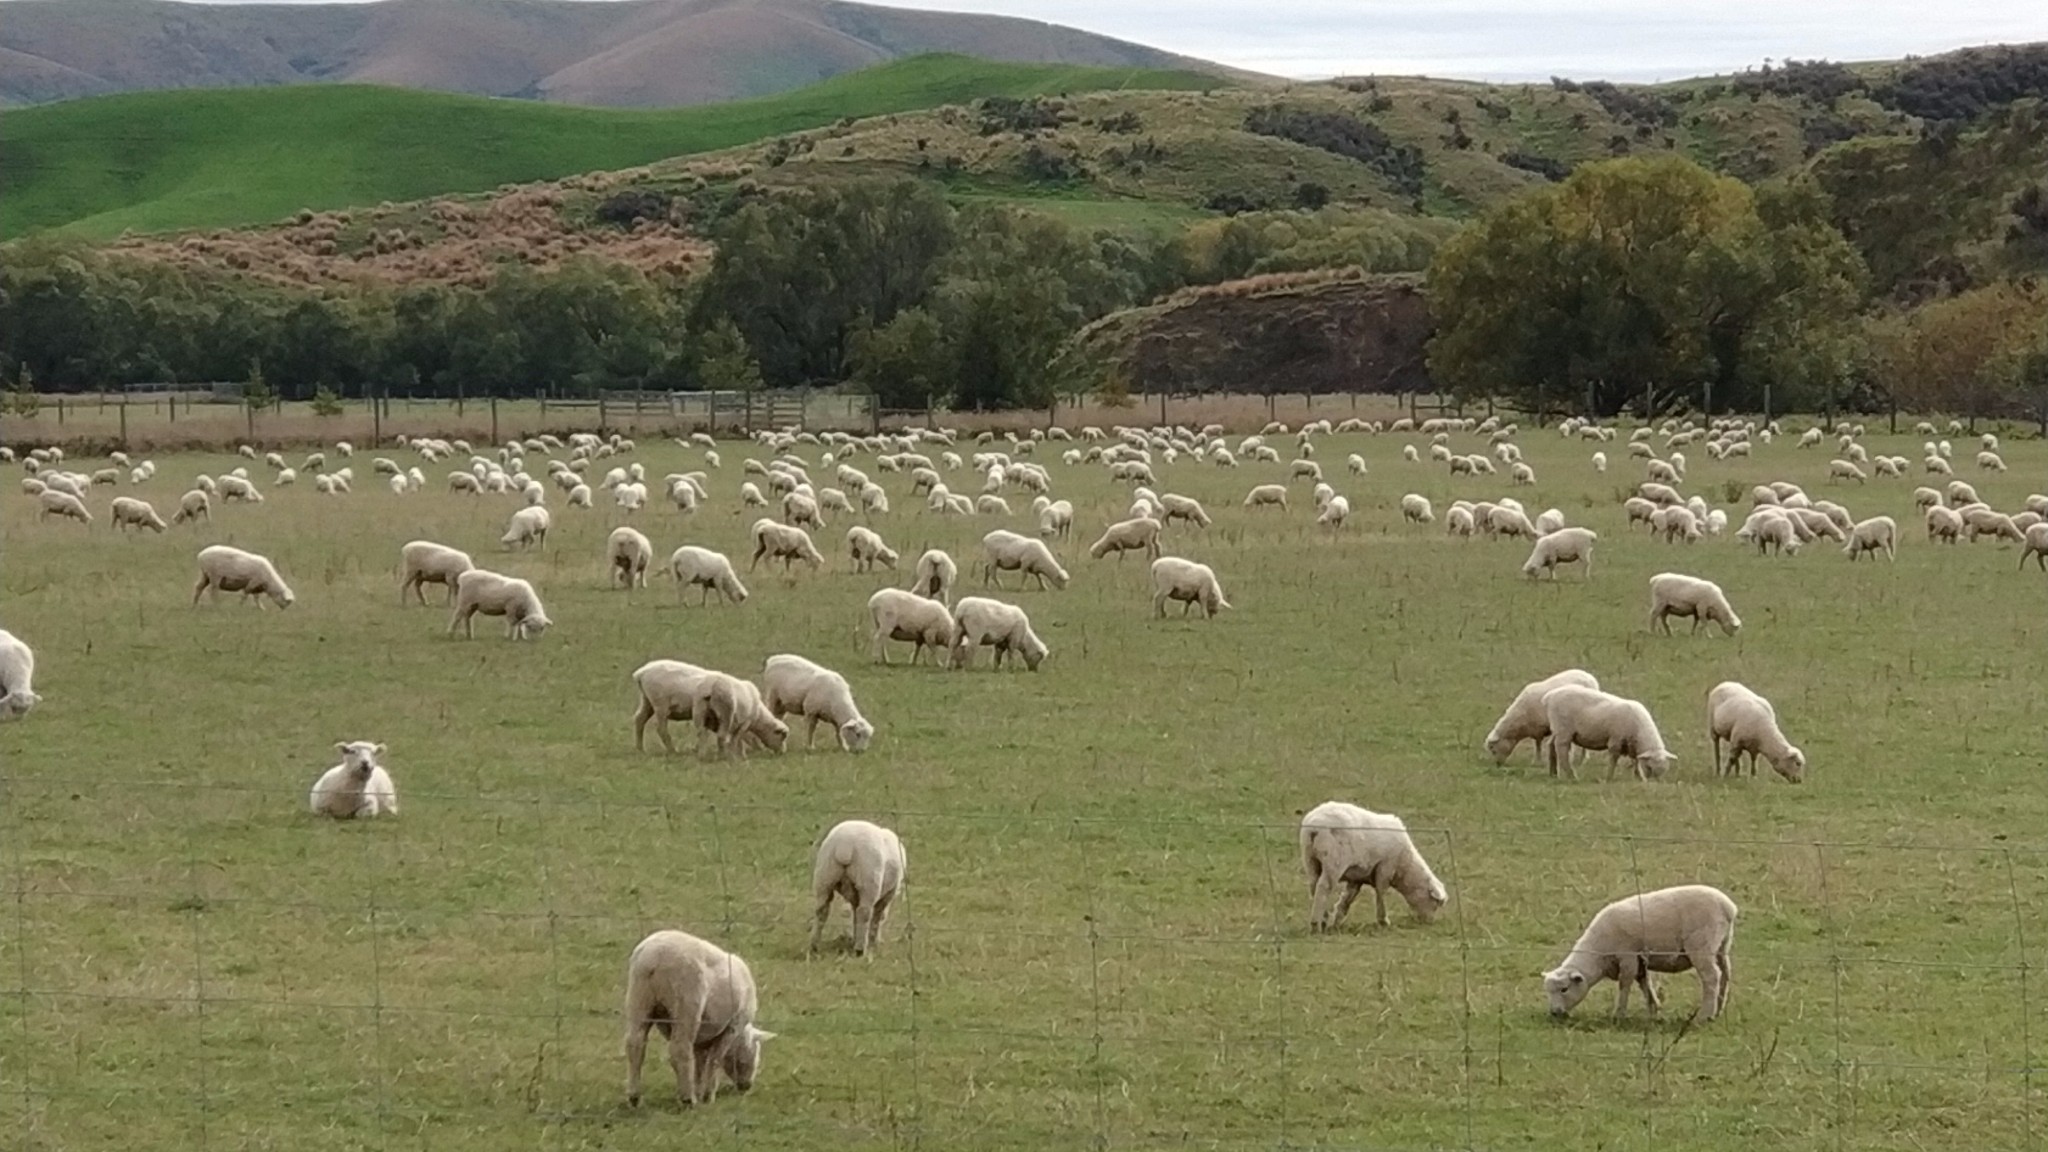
x=206 y=964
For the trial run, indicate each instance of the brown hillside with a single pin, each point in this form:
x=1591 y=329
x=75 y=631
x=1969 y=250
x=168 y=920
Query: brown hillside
x=622 y=53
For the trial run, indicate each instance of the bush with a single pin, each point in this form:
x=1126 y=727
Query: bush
x=627 y=208
x=1009 y=114
x=1542 y=166
x=325 y=402
x=1309 y=196
x=1821 y=81
x=1346 y=136
x=1044 y=166
x=1634 y=105
x=1964 y=85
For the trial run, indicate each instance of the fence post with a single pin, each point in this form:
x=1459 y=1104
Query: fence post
x=174 y=407
x=377 y=419
x=494 y=419
x=600 y=410
x=543 y=405
x=122 y=407
x=1162 y=406
x=60 y=410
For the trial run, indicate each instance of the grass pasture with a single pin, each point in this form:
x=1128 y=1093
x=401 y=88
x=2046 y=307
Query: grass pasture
x=1103 y=939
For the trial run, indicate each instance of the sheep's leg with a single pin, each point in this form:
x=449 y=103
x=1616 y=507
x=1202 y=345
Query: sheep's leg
x=1319 y=883
x=819 y=915
x=201 y=587
x=1717 y=755
x=1649 y=990
x=811 y=734
x=1351 y=891
x=863 y=925
x=682 y=1036
x=882 y=905
x=641 y=716
x=668 y=745
x=1379 y=902
x=1711 y=993
x=1724 y=955
x=1623 y=980
x=636 y=1053
x=1158 y=601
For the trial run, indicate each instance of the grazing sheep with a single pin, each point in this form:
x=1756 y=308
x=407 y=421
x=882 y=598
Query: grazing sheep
x=1990 y=462
x=1005 y=627
x=707 y=570
x=1526 y=718
x=495 y=594
x=733 y=710
x=702 y=998
x=785 y=542
x=1944 y=524
x=1581 y=717
x=2035 y=547
x=1335 y=512
x=1273 y=495
x=225 y=569
x=1845 y=470
x=1348 y=845
x=629 y=554
x=1138 y=534
x=669 y=690
x=1672 y=594
x=1355 y=464
x=1415 y=509
x=792 y=684
x=1877 y=534
x=127 y=510
x=194 y=505
x=1690 y=927
x=55 y=503
x=1176 y=579
x=799 y=509
x=862 y=863
x=424 y=562
x=528 y=528
x=358 y=786
x=935 y=575
x=1564 y=546
x=923 y=621
x=1183 y=508
x=868 y=549
x=1056 y=518
x=1010 y=552
x=1749 y=724
x=1677 y=522
x=17 y=677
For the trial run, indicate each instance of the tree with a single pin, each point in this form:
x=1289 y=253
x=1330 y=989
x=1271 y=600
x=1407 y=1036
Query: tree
x=23 y=400
x=904 y=363
x=1974 y=354
x=257 y=393
x=726 y=364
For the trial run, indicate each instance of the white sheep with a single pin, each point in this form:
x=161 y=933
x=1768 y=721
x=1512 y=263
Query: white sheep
x=195 y=504
x=1526 y=717
x=423 y=562
x=628 y=554
x=1267 y=495
x=225 y=569
x=17 y=677
x=935 y=575
x=867 y=548
x=733 y=710
x=863 y=864
x=1689 y=927
x=1174 y=578
x=707 y=570
x=1877 y=534
x=793 y=685
x=1415 y=509
x=1564 y=546
x=669 y=690
x=528 y=528
x=923 y=621
x=979 y=622
x=1335 y=512
x=358 y=786
x=1348 y=845
x=1845 y=470
x=1597 y=721
x=1138 y=534
x=495 y=594
x=785 y=542
x=1185 y=508
x=1749 y=724
x=703 y=1000
x=1673 y=594
x=1010 y=552
x=127 y=510
x=1944 y=523
x=53 y=502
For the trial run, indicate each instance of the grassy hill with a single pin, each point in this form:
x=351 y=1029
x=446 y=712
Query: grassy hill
x=164 y=161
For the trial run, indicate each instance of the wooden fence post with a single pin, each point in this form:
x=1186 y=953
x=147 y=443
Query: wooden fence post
x=494 y=419
x=123 y=409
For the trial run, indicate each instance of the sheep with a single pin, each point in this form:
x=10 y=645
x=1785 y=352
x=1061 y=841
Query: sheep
x=1689 y=927
x=935 y=575
x=495 y=594
x=1877 y=534
x=128 y=510
x=1990 y=462
x=55 y=503
x=862 y=863
x=1504 y=520
x=1581 y=717
x=1944 y=524
x=1845 y=470
x=194 y=505
x=358 y=786
x=1005 y=627
x=1348 y=845
x=1771 y=527
x=669 y=690
x=733 y=710
x=1814 y=525
x=868 y=549
x=1415 y=509
x=1672 y=594
x=1355 y=464
x=17 y=677
x=923 y=621
x=528 y=528
x=799 y=510
x=1335 y=512
x=792 y=684
x=1176 y=579
x=629 y=554
x=1749 y=724
x=1274 y=495
x=707 y=570
x=1183 y=508
x=1009 y=552
x=1564 y=546
x=225 y=569
x=424 y=562
x=702 y=998
x=1526 y=719
x=783 y=541
x=1138 y=534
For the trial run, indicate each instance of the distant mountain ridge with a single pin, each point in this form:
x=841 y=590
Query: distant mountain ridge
x=622 y=53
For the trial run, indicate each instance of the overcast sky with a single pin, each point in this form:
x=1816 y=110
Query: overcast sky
x=1533 y=39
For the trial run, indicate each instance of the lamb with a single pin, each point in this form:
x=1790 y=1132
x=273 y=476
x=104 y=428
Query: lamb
x=1005 y=627
x=495 y=594
x=935 y=575
x=128 y=510
x=629 y=554
x=424 y=562
x=1877 y=534
x=56 y=503
x=1588 y=718
x=1672 y=594
x=1526 y=718
x=734 y=710
x=1138 y=534
x=1176 y=579
x=527 y=528
x=17 y=678
x=1749 y=724
x=783 y=541
x=702 y=998
x=1564 y=546
x=864 y=864
x=792 y=684
x=708 y=570
x=1267 y=494
x=899 y=615
x=225 y=569
x=868 y=549
x=1183 y=508
x=1689 y=927
x=194 y=505
x=1348 y=845
x=1010 y=552
x=358 y=786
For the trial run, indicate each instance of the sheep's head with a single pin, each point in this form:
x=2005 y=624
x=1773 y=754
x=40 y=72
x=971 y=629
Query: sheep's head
x=1657 y=763
x=1034 y=651
x=772 y=733
x=359 y=756
x=1500 y=746
x=1792 y=765
x=856 y=734
x=1565 y=987
x=14 y=705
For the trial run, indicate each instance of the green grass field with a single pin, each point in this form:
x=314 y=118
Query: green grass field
x=1103 y=942
x=160 y=161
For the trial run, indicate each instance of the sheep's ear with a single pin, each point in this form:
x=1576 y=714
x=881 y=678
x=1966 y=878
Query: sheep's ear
x=378 y=749
x=762 y=1034
x=341 y=745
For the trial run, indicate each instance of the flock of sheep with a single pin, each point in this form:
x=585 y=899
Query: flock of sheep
x=703 y=998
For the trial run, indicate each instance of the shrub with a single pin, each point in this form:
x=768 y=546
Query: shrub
x=1542 y=166
x=325 y=402
x=1344 y=135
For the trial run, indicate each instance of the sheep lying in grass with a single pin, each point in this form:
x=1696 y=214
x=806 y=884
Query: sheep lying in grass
x=1348 y=845
x=793 y=685
x=358 y=786
x=424 y=562
x=1673 y=594
x=495 y=594
x=781 y=541
x=1008 y=551
x=863 y=864
x=629 y=554
x=702 y=998
x=1564 y=546
x=981 y=622
x=1597 y=721
x=225 y=569
x=1690 y=927
x=17 y=678
x=1527 y=719
x=1188 y=582
x=1749 y=724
